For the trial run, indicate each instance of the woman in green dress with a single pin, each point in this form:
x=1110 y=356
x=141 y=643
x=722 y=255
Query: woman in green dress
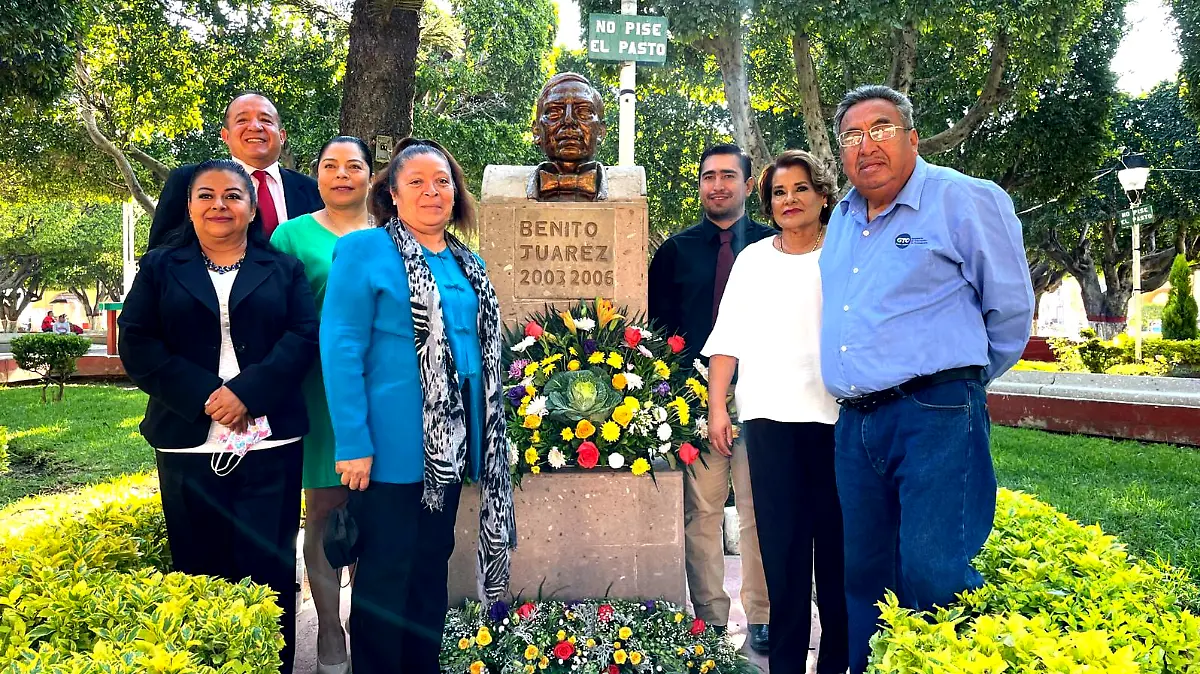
x=344 y=178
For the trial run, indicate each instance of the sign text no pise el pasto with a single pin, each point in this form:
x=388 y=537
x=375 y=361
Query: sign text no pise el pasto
x=624 y=37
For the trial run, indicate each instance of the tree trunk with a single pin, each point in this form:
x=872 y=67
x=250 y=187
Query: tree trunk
x=381 y=68
x=991 y=96
x=727 y=48
x=815 y=128
x=904 y=58
x=1106 y=307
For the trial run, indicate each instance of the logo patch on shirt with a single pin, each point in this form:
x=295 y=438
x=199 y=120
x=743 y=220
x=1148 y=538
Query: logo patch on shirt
x=904 y=241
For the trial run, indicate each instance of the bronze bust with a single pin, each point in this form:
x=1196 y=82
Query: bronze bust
x=568 y=124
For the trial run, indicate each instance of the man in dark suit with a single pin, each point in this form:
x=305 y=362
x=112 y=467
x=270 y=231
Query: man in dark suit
x=254 y=134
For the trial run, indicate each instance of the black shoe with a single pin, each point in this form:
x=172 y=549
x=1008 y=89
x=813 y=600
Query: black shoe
x=760 y=640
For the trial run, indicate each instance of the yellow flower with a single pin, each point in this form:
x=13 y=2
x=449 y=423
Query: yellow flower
x=620 y=656
x=530 y=669
x=532 y=421
x=562 y=634
x=531 y=456
x=463 y=644
x=591 y=643
x=484 y=637
x=623 y=415
x=699 y=389
x=660 y=369
x=552 y=359
x=548 y=370
x=632 y=403
x=584 y=429
x=568 y=435
x=710 y=664
x=529 y=391
x=615 y=360
x=640 y=467
x=635 y=658
x=678 y=617
x=681 y=407
x=596 y=357
x=544 y=662
x=573 y=365
x=610 y=431
x=618 y=381
x=530 y=369
x=680 y=651
x=605 y=312
x=616 y=644
x=478 y=667
x=531 y=652
x=625 y=633
x=572 y=640
x=568 y=321
x=703 y=668
x=572 y=351
x=699 y=649
x=536 y=470
x=537 y=437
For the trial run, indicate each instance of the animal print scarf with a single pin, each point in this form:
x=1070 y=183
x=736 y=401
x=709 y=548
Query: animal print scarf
x=443 y=414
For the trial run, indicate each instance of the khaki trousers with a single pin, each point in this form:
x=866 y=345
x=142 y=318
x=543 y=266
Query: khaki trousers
x=704 y=496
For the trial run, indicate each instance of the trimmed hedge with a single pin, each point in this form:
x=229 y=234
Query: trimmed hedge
x=84 y=588
x=1159 y=356
x=1060 y=597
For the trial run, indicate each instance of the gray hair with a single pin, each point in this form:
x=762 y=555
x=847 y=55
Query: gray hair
x=874 y=91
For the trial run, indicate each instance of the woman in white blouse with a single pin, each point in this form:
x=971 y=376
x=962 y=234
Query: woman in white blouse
x=767 y=331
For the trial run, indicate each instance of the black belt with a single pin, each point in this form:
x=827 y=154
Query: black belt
x=868 y=402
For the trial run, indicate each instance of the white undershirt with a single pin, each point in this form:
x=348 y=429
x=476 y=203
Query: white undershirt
x=274 y=185
x=770 y=320
x=226 y=370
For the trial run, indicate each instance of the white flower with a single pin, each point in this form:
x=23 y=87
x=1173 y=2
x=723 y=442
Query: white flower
x=660 y=415
x=514 y=457
x=528 y=381
x=664 y=448
x=523 y=344
x=632 y=381
x=615 y=461
x=584 y=324
x=664 y=432
x=699 y=367
x=644 y=351
x=556 y=458
x=537 y=406
x=647 y=335
x=702 y=427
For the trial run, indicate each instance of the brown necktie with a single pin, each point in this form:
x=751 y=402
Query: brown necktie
x=724 y=264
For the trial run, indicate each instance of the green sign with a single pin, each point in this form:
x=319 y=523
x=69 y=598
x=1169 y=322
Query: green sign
x=627 y=37
x=1138 y=215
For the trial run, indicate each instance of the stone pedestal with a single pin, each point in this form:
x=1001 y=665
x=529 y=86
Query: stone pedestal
x=585 y=533
x=556 y=252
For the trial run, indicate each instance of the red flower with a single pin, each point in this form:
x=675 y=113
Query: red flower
x=613 y=669
x=525 y=610
x=632 y=337
x=688 y=454
x=564 y=650
x=676 y=344
x=533 y=330
x=697 y=627
x=588 y=457
x=605 y=613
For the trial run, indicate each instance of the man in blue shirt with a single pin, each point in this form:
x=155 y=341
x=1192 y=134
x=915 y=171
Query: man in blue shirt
x=927 y=298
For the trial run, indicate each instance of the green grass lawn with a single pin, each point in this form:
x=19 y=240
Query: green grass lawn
x=1148 y=495
x=90 y=436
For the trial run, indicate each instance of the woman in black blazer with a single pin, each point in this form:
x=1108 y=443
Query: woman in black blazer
x=219 y=329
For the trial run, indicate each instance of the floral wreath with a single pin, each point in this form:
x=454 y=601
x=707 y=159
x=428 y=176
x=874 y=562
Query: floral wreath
x=588 y=387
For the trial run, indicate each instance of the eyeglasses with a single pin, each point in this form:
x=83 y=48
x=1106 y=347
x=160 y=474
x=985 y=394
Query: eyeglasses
x=878 y=133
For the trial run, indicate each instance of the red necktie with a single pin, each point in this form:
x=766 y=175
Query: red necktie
x=724 y=264
x=266 y=204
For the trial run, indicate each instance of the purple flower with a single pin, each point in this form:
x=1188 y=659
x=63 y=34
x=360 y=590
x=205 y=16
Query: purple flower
x=517 y=369
x=515 y=394
x=589 y=345
x=663 y=389
x=649 y=605
x=498 y=611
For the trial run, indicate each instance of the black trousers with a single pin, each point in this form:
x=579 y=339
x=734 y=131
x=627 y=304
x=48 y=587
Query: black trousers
x=797 y=509
x=398 y=607
x=241 y=525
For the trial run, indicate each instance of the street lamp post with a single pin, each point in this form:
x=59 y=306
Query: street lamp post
x=1133 y=181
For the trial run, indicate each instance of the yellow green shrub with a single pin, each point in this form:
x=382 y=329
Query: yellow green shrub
x=1060 y=598
x=84 y=588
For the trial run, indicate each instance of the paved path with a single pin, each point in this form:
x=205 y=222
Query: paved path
x=306 y=629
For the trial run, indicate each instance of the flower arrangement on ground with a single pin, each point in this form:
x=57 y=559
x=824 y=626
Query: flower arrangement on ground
x=589 y=387
x=592 y=637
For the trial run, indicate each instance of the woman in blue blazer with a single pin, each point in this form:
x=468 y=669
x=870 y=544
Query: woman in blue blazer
x=410 y=347
x=219 y=330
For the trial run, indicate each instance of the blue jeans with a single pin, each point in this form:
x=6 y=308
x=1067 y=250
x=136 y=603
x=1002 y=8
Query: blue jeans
x=918 y=494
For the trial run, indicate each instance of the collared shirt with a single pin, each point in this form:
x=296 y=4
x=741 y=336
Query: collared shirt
x=936 y=281
x=274 y=183
x=683 y=276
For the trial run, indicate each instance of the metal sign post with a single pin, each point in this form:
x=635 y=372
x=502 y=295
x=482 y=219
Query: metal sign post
x=128 y=245
x=628 y=99
x=1140 y=214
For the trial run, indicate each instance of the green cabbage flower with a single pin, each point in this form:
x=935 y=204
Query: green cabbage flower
x=583 y=394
